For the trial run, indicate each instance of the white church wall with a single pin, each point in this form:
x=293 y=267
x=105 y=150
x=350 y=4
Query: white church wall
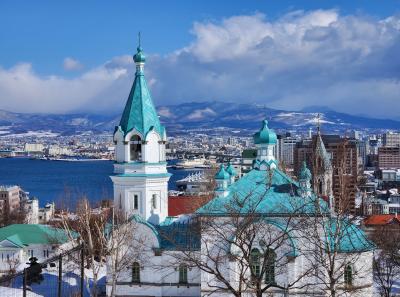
x=159 y=273
x=152 y=147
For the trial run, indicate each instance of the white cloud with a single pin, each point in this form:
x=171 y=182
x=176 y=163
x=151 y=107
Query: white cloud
x=70 y=64
x=348 y=63
x=21 y=89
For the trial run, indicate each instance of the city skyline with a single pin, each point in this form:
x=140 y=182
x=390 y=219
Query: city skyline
x=335 y=54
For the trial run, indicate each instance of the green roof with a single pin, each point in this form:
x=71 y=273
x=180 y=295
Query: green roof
x=265 y=135
x=256 y=192
x=349 y=238
x=273 y=195
x=222 y=174
x=139 y=112
x=26 y=234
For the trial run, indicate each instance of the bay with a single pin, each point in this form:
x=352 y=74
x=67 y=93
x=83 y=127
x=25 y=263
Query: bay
x=65 y=182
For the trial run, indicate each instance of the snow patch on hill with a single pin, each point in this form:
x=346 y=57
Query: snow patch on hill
x=201 y=114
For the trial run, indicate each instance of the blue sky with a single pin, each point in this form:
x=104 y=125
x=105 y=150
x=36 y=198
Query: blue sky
x=72 y=56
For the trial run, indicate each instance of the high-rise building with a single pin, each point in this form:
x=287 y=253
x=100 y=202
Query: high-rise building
x=140 y=177
x=285 y=149
x=391 y=139
x=389 y=157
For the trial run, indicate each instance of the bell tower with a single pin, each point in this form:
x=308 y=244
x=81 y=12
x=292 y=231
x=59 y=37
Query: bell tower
x=265 y=140
x=140 y=178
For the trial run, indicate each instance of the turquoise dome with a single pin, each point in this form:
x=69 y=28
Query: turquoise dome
x=231 y=170
x=305 y=173
x=265 y=135
x=139 y=57
x=222 y=174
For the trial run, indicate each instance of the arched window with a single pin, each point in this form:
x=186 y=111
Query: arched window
x=255 y=262
x=136 y=272
x=183 y=274
x=135 y=146
x=270 y=266
x=348 y=275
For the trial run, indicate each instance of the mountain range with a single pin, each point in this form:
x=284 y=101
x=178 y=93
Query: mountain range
x=199 y=116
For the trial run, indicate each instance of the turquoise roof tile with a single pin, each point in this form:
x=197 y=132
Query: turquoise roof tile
x=26 y=234
x=346 y=237
x=256 y=192
x=222 y=173
x=265 y=135
x=139 y=112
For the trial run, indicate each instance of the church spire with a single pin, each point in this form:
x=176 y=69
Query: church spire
x=319 y=124
x=139 y=112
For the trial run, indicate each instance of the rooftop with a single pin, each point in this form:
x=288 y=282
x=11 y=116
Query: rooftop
x=27 y=234
x=380 y=220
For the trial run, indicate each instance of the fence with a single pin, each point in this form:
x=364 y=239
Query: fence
x=61 y=276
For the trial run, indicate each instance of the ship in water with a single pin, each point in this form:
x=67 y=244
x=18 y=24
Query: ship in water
x=193 y=162
x=196 y=183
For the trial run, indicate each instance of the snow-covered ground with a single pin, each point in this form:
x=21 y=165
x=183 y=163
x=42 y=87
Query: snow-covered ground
x=49 y=286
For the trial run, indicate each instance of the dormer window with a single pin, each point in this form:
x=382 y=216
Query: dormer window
x=135 y=146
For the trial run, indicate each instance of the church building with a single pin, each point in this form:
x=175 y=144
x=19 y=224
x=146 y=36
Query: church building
x=255 y=237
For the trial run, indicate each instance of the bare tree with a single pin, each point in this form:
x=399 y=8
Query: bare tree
x=387 y=258
x=245 y=252
x=90 y=227
x=336 y=247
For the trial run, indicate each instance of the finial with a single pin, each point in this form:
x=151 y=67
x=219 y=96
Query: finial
x=319 y=123
x=139 y=57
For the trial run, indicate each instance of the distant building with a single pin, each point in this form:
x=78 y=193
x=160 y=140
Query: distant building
x=371 y=223
x=10 y=198
x=46 y=213
x=389 y=157
x=179 y=205
x=343 y=154
x=32 y=211
x=7 y=153
x=55 y=150
x=248 y=156
x=390 y=176
x=34 y=147
x=285 y=147
x=391 y=139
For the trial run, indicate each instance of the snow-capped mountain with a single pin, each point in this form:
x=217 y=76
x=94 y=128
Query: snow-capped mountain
x=184 y=117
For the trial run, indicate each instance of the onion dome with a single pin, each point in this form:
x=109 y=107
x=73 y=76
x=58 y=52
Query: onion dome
x=222 y=174
x=139 y=57
x=305 y=173
x=265 y=135
x=231 y=170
